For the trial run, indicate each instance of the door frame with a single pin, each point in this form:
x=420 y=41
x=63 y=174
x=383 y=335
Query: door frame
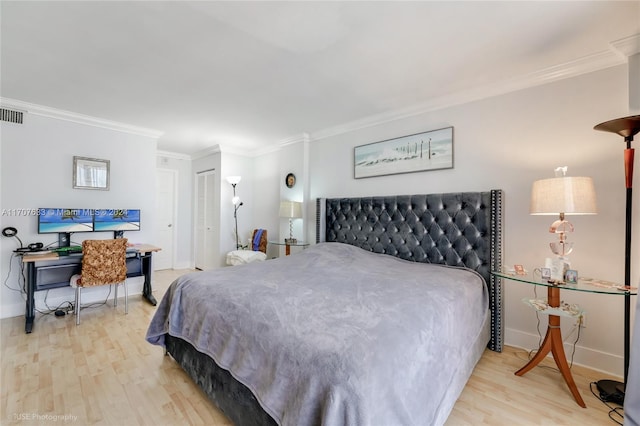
x=214 y=172
x=174 y=231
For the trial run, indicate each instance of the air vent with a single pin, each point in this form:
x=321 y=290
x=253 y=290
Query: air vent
x=11 y=116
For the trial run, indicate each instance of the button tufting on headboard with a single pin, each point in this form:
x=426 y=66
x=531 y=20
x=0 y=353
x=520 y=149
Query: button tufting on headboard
x=432 y=228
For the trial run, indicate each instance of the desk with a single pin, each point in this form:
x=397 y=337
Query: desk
x=47 y=271
x=553 y=339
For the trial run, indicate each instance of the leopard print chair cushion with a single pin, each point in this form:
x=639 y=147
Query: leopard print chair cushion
x=103 y=262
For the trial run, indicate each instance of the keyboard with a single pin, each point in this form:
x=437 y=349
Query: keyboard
x=68 y=250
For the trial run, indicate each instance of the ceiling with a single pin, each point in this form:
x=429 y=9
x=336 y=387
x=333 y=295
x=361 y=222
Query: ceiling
x=253 y=75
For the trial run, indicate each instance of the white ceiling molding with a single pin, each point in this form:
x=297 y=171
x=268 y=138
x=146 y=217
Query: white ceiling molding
x=78 y=118
x=587 y=64
x=243 y=151
x=627 y=46
x=206 y=152
x=302 y=137
x=174 y=155
x=266 y=150
x=230 y=149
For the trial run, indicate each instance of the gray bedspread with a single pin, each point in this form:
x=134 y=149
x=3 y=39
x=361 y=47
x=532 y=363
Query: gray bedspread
x=334 y=335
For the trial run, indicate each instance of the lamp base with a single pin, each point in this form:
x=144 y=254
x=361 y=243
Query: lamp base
x=611 y=391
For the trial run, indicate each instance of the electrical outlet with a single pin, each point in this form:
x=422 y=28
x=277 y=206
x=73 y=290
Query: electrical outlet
x=582 y=321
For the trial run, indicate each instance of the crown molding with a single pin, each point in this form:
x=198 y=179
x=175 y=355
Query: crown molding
x=206 y=152
x=587 y=64
x=78 y=118
x=255 y=152
x=627 y=46
x=174 y=155
x=292 y=140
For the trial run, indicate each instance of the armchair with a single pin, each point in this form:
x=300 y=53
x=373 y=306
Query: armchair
x=258 y=251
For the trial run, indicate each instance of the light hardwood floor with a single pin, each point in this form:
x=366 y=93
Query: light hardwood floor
x=103 y=372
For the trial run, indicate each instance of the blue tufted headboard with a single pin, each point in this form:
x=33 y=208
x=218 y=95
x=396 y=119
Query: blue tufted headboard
x=456 y=229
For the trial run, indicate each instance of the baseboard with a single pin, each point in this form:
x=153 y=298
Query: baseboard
x=184 y=265
x=59 y=296
x=607 y=363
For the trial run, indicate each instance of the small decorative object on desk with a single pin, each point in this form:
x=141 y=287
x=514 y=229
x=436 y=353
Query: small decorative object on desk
x=513 y=270
x=290 y=241
x=545 y=273
x=571 y=276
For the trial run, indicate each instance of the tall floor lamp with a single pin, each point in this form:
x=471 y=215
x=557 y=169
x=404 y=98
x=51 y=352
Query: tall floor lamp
x=234 y=180
x=627 y=127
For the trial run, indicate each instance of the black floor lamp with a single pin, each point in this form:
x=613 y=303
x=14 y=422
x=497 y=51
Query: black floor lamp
x=627 y=127
x=234 y=180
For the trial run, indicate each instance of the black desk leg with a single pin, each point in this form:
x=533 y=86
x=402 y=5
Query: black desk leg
x=146 y=271
x=31 y=288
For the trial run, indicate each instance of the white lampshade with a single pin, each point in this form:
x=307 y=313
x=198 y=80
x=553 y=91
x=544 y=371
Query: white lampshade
x=290 y=209
x=234 y=180
x=567 y=194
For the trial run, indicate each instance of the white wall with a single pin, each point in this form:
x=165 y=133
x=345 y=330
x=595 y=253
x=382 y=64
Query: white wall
x=236 y=165
x=266 y=201
x=37 y=159
x=292 y=161
x=507 y=142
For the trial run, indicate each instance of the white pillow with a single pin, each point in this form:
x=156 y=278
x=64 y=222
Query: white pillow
x=239 y=257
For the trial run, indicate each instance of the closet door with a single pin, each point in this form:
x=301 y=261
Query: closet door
x=204 y=229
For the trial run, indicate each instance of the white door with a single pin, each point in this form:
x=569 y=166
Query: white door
x=205 y=231
x=166 y=181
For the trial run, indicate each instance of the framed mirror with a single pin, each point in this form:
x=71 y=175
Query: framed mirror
x=90 y=173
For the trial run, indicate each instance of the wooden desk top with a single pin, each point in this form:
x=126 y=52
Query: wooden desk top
x=144 y=248
x=141 y=248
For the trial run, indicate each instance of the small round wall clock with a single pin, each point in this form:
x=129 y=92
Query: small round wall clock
x=290 y=180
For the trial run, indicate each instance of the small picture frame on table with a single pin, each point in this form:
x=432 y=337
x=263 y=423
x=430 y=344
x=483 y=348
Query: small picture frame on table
x=571 y=276
x=545 y=273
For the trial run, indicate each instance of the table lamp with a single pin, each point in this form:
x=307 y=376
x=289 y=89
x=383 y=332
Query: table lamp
x=562 y=195
x=291 y=210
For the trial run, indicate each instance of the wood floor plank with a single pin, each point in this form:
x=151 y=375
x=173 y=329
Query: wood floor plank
x=103 y=372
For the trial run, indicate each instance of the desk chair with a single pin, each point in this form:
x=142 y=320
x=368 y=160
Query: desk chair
x=103 y=263
x=258 y=250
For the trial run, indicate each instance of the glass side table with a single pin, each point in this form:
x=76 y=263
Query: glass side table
x=288 y=246
x=553 y=339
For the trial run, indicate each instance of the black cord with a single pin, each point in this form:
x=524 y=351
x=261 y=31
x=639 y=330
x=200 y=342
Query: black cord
x=96 y=304
x=612 y=410
x=6 y=280
x=53 y=310
x=70 y=305
x=573 y=351
x=50 y=244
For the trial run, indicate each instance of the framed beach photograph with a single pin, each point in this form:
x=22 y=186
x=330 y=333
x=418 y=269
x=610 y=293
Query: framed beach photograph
x=90 y=173
x=432 y=150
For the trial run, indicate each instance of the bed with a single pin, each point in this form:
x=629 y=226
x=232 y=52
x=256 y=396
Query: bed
x=381 y=322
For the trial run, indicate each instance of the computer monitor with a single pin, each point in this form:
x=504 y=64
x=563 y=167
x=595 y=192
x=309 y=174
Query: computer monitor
x=63 y=222
x=116 y=220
